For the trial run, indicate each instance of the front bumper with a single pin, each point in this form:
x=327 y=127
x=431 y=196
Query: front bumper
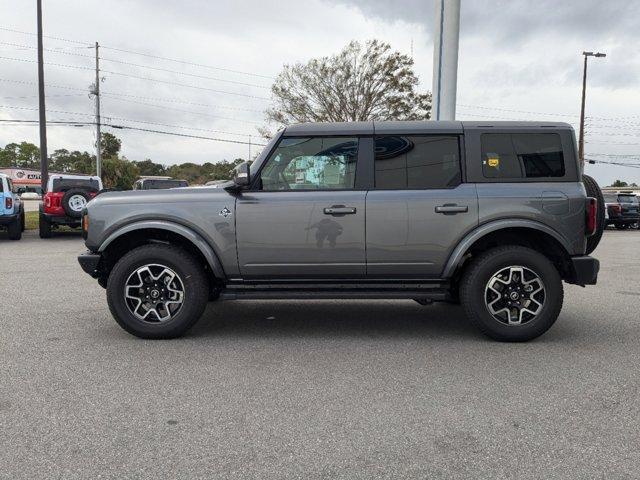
x=90 y=262
x=585 y=270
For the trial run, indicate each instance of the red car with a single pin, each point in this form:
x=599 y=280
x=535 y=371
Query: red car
x=66 y=197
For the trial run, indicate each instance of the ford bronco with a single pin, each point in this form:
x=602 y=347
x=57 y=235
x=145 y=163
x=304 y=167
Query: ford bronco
x=66 y=197
x=494 y=216
x=11 y=209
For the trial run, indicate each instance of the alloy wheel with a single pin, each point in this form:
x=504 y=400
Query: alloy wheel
x=154 y=293
x=514 y=295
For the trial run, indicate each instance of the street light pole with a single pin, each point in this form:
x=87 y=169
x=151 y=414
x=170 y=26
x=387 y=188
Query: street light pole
x=584 y=92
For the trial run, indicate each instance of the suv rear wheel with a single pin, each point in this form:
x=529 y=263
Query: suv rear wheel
x=512 y=293
x=157 y=291
x=14 y=229
x=44 y=226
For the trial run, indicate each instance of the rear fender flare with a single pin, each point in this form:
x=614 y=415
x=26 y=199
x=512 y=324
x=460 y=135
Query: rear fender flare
x=457 y=256
x=187 y=233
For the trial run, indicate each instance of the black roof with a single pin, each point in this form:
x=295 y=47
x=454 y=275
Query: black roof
x=415 y=127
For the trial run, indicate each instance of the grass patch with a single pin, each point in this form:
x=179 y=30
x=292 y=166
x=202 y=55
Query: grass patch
x=31 y=220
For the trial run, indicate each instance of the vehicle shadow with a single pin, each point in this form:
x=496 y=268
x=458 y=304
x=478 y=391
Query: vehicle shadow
x=326 y=318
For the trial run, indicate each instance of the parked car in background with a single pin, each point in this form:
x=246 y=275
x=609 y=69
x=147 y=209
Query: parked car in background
x=622 y=210
x=158 y=183
x=217 y=183
x=494 y=215
x=11 y=209
x=66 y=197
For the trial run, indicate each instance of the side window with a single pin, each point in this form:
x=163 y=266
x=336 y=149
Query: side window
x=1 y=184
x=522 y=155
x=417 y=162
x=311 y=163
x=9 y=185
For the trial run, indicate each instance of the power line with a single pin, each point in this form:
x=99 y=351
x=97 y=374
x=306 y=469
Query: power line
x=148 y=79
x=186 y=85
x=156 y=57
x=175 y=134
x=184 y=62
x=45 y=36
x=158 y=69
x=181 y=102
x=128 y=127
x=163 y=107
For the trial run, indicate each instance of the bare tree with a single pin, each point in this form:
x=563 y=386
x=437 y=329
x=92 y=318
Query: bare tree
x=362 y=82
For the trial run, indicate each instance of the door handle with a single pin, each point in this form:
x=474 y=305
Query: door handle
x=451 y=209
x=339 y=210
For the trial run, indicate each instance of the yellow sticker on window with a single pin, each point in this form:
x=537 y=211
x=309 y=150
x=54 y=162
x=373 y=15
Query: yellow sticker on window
x=493 y=162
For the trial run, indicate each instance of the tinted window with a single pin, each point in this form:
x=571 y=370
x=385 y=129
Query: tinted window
x=311 y=163
x=518 y=155
x=415 y=162
x=628 y=199
x=1 y=184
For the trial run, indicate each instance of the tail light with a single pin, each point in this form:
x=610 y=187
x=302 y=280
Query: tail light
x=592 y=213
x=615 y=208
x=8 y=203
x=47 y=200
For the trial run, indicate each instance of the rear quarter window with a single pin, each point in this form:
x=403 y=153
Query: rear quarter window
x=522 y=155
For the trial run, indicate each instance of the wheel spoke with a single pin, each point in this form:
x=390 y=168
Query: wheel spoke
x=154 y=293
x=514 y=295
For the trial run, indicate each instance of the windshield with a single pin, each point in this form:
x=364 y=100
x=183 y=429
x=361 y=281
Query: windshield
x=628 y=199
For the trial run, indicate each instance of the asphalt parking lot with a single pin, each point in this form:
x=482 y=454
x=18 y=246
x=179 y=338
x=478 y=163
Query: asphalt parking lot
x=320 y=389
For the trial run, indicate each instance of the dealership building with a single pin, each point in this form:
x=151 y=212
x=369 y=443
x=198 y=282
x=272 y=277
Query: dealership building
x=24 y=180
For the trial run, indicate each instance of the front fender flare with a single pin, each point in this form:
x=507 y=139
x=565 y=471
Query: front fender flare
x=456 y=257
x=193 y=237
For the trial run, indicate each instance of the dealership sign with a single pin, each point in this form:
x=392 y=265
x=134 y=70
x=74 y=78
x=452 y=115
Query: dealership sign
x=23 y=176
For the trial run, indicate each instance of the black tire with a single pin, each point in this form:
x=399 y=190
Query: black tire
x=622 y=226
x=66 y=198
x=487 y=264
x=593 y=190
x=15 y=229
x=190 y=273
x=44 y=226
x=22 y=220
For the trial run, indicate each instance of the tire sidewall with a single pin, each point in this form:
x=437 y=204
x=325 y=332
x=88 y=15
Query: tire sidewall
x=192 y=281
x=475 y=294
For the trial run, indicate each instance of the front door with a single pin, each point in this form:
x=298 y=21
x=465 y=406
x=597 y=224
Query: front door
x=419 y=207
x=304 y=217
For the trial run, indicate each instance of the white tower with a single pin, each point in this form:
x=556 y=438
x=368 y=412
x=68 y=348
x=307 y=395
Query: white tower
x=445 y=59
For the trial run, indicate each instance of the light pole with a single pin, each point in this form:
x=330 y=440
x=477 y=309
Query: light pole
x=584 y=89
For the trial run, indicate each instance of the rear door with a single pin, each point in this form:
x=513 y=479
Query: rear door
x=418 y=208
x=305 y=217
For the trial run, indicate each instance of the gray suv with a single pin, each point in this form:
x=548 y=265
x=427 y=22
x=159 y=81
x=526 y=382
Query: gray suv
x=491 y=215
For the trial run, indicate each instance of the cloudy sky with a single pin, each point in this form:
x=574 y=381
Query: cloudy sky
x=519 y=59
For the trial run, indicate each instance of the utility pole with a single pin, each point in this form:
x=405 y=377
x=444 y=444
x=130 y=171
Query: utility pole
x=445 y=59
x=44 y=159
x=584 y=92
x=96 y=92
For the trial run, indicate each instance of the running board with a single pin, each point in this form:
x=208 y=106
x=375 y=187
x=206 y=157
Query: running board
x=323 y=291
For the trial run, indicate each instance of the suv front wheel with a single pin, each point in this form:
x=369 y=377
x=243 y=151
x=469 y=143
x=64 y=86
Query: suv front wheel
x=512 y=293
x=157 y=291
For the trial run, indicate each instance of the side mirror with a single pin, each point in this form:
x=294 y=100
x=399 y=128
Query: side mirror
x=241 y=175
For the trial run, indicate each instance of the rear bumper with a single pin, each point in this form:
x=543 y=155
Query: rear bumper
x=8 y=219
x=585 y=269
x=61 y=219
x=89 y=262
